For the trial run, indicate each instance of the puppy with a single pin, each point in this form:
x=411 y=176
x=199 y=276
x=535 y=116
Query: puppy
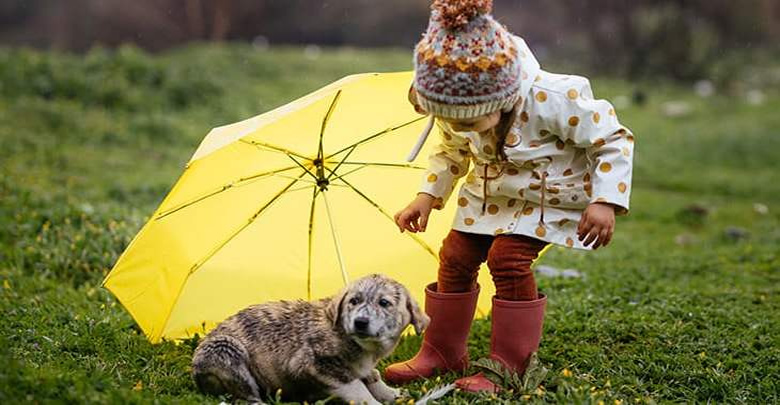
x=310 y=350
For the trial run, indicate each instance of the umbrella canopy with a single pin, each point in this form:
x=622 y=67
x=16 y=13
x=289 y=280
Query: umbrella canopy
x=289 y=204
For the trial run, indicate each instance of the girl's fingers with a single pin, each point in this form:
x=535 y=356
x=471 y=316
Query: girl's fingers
x=584 y=229
x=581 y=226
x=423 y=222
x=593 y=234
x=404 y=221
x=606 y=236
x=599 y=242
x=397 y=219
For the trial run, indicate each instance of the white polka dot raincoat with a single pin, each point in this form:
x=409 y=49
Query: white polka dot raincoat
x=564 y=151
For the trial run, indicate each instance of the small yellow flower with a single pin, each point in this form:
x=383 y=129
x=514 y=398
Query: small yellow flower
x=526 y=397
x=600 y=402
x=138 y=386
x=566 y=372
x=410 y=402
x=618 y=402
x=6 y=285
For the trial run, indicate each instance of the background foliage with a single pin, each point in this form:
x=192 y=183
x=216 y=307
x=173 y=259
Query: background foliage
x=682 y=307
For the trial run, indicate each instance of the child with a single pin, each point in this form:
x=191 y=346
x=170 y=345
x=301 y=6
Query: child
x=551 y=165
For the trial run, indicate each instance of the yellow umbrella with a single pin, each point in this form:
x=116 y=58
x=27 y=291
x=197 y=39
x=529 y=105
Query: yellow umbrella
x=289 y=204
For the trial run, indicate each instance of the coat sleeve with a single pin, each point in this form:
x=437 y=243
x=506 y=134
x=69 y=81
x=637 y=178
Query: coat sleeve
x=448 y=162
x=593 y=125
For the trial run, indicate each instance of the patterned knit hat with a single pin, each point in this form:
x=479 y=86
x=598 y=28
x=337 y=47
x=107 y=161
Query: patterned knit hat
x=466 y=64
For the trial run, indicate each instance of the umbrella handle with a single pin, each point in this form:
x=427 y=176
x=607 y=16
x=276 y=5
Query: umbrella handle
x=421 y=140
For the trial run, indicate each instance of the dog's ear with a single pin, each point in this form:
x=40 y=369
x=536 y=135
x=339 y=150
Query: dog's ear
x=418 y=318
x=333 y=309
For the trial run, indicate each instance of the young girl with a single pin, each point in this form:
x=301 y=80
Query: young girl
x=551 y=165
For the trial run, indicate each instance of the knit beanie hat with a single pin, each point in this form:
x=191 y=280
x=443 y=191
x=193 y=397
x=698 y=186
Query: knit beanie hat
x=466 y=64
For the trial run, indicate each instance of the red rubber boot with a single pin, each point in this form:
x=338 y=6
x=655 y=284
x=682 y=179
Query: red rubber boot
x=444 y=342
x=516 y=332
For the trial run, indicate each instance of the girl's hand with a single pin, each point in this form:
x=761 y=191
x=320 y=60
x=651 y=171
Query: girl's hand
x=597 y=224
x=414 y=217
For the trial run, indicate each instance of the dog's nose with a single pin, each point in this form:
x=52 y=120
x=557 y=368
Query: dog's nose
x=361 y=324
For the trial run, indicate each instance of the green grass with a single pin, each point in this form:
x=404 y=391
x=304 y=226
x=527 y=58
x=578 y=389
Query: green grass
x=90 y=145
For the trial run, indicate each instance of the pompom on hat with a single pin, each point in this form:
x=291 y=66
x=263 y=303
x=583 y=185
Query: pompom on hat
x=466 y=64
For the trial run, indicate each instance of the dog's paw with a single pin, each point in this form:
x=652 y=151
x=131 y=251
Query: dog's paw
x=387 y=394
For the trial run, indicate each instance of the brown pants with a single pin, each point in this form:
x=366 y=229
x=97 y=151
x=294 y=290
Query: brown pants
x=509 y=259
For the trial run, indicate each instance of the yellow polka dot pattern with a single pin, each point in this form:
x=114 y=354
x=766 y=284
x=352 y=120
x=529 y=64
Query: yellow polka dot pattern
x=432 y=178
x=622 y=187
x=605 y=167
x=541 y=97
x=469 y=221
x=463 y=202
x=572 y=94
x=574 y=121
x=540 y=232
x=492 y=209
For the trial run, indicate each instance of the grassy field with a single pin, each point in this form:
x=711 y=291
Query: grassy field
x=682 y=307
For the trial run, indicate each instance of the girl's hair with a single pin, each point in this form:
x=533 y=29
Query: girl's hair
x=501 y=130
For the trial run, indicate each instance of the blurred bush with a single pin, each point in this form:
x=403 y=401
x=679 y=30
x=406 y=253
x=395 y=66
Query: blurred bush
x=115 y=79
x=682 y=39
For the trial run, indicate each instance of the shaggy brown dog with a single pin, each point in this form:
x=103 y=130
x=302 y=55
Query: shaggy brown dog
x=310 y=350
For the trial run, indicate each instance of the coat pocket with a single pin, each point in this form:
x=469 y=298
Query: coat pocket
x=560 y=192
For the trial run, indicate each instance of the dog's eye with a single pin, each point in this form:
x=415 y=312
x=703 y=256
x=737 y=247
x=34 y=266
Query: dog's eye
x=384 y=303
x=354 y=301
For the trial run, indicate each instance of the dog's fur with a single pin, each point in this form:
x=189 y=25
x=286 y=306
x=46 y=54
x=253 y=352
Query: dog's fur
x=310 y=350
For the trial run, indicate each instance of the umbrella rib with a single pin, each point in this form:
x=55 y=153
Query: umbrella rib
x=274 y=148
x=376 y=135
x=311 y=230
x=404 y=165
x=389 y=217
x=339 y=177
x=200 y=263
x=303 y=167
x=335 y=240
x=197 y=265
x=220 y=190
x=335 y=169
x=325 y=122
